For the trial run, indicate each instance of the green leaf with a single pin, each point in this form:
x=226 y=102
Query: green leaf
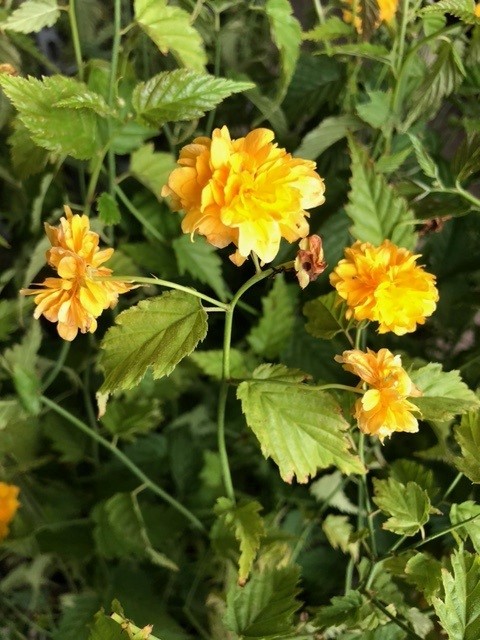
x=27 y=157
x=264 y=607
x=331 y=29
x=465 y=511
x=247 y=524
x=410 y=471
x=467 y=434
x=104 y=628
x=182 y=94
x=8 y=318
x=151 y=168
x=300 y=428
x=60 y=113
x=268 y=337
x=108 y=210
x=326 y=316
x=210 y=362
x=391 y=162
x=466 y=161
x=200 y=260
x=339 y=530
x=377 y=111
x=462 y=9
x=425 y=161
x=442 y=78
x=342 y=610
x=20 y=361
x=32 y=16
x=366 y=50
x=287 y=35
x=77 y=616
x=130 y=416
x=170 y=29
x=407 y=505
x=377 y=212
x=459 y=609
x=328 y=489
x=157 y=333
x=444 y=394
x=328 y=132
x=425 y=573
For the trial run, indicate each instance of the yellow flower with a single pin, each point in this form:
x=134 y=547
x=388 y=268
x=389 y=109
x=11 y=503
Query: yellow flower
x=384 y=408
x=386 y=13
x=388 y=9
x=384 y=284
x=309 y=263
x=245 y=191
x=75 y=299
x=476 y=11
x=8 y=506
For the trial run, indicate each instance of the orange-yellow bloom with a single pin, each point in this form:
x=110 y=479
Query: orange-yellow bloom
x=75 y=299
x=386 y=13
x=384 y=407
x=246 y=191
x=476 y=11
x=384 y=284
x=309 y=263
x=8 y=506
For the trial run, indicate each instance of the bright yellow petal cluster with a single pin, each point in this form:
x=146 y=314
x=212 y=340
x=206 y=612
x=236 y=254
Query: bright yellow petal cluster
x=384 y=407
x=384 y=284
x=476 y=11
x=8 y=506
x=245 y=191
x=386 y=13
x=75 y=299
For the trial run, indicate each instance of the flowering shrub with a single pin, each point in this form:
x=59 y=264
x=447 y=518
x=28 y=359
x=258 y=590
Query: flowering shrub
x=245 y=405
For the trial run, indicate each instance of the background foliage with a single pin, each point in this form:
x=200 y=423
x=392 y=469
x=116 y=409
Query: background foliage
x=97 y=98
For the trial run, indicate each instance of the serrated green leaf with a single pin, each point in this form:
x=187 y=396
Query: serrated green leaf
x=247 y=524
x=20 y=360
x=465 y=511
x=268 y=337
x=444 y=394
x=328 y=489
x=77 y=616
x=466 y=161
x=130 y=416
x=200 y=260
x=108 y=210
x=300 y=429
x=443 y=76
x=117 y=531
x=463 y=9
x=263 y=609
x=70 y=445
x=32 y=16
x=338 y=530
x=363 y=50
x=391 y=162
x=377 y=111
x=467 y=434
x=104 y=628
x=331 y=29
x=182 y=94
x=210 y=362
x=328 y=132
x=410 y=471
x=151 y=168
x=425 y=161
x=8 y=318
x=60 y=113
x=27 y=157
x=156 y=333
x=287 y=35
x=342 y=610
x=459 y=609
x=377 y=212
x=425 y=573
x=170 y=29
x=407 y=505
x=326 y=316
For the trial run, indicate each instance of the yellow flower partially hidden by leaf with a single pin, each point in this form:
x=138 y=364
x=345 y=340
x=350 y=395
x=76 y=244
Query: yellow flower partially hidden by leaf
x=387 y=10
x=8 y=506
x=75 y=299
x=246 y=191
x=476 y=11
x=384 y=284
x=384 y=408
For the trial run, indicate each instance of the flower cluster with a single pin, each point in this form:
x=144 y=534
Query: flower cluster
x=8 y=506
x=384 y=284
x=75 y=299
x=384 y=407
x=386 y=13
x=246 y=191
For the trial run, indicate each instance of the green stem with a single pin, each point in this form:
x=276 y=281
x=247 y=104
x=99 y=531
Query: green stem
x=125 y=461
x=452 y=486
x=222 y=400
x=216 y=71
x=58 y=365
x=408 y=630
x=72 y=14
x=92 y=185
x=112 y=172
x=139 y=216
x=367 y=505
x=163 y=283
x=321 y=19
x=402 y=35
